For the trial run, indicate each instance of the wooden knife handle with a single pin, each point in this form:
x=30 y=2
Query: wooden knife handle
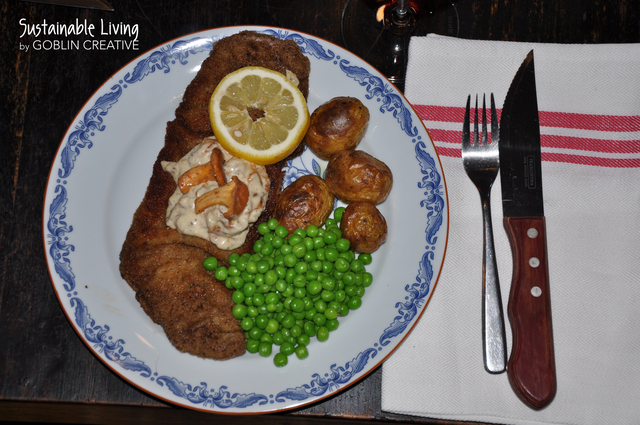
x=531 y=368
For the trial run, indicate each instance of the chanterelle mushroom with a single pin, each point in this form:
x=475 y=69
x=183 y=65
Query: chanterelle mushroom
x=234 y=195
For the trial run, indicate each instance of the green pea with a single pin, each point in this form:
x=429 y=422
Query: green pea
x=247 y=277
x=299 y=281
x=322 y=334
x=267 y=249
x=262 y=321
x=348 y=255
x=255 y=333
x=290 y=260
x=327 y=267
x=281 y=231
x=309 y=328
x=287 y=348
x=349 y=278
x=312 y=230
x=299 y=250
x=277 y=242
x=288 y=321
x=357 y=265
x=294 y=239
x=341 y=264
x=318 y=243
x=330 y=238
x=234 y=271
x=286 y=249
x=327 y=296
x=252 y=312
x=337 y=214
x=280 y=360
x=253 y=346
x=328 y=283
x=308 y=314
x=319 y=319
x=233 y=259
x=303 y=339
x=289 y=291
x=262 y=310
x=246 y=323
x=296 y=330
x=272 y=326
x=272 y=298
x=365 y=258
x=297 y=305
x=238 y=297
x=264 y=349
x=351 y=290
x=302 y=352
x=367 y=279
x=301 y=267
x=320 y=306
x=354 y=302
x=221 y=273
x=330 y=222
x=239 y=311
x=257 y=245
x=210 y=263
x=331 y=254
x=266 y=337
x=331 y=314
x=343 y=245
x=263 y=266
x=336 y=230
x=310 y=256
x=340 y=296
x=263 y=228
x=278 y=339
x=316 y=266
x=332 y=324
x=249 y=289
x=272 y=223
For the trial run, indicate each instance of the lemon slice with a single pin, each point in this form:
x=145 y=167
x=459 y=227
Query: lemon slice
x=258 y=114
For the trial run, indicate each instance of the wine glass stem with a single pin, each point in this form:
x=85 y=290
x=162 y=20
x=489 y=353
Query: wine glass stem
x=402 y=9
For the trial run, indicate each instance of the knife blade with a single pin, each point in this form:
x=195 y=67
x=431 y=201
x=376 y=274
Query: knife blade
x=87 y=4
x=531 y=367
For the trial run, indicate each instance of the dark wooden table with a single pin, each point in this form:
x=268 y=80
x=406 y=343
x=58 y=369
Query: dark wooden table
x=47 y=374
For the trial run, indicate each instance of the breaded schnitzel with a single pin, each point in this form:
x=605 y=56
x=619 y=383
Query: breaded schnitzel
x=162 y=265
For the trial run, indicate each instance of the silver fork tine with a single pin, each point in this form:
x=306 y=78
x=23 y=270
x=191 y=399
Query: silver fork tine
x=466 y=133
x=476 y=135
x=495 y=130
x=485 y=137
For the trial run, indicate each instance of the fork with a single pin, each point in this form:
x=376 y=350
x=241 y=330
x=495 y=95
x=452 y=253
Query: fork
x=481 y=162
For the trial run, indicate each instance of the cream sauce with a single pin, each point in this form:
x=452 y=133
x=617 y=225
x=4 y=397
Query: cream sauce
x=211 y=224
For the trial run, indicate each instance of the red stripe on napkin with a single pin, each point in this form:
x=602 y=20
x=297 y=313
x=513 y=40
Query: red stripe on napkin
x=595 y=151
x=615 y=123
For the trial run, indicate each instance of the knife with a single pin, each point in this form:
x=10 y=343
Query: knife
x=87 y=4
x=531 y=367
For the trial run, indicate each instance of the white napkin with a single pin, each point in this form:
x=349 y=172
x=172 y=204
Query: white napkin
x=589 y=102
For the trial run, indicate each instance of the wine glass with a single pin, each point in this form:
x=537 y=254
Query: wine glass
x=379 y=30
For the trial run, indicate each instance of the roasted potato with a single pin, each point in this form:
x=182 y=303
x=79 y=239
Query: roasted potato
x=363 y=226
x=337 y=125
x=304 y=202
x=354 y=175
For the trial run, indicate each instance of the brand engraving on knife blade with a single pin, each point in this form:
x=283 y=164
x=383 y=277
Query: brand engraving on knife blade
x=530 y=172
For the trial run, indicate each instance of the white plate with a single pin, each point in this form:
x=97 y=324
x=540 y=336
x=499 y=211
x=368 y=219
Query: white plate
x=99 y=177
